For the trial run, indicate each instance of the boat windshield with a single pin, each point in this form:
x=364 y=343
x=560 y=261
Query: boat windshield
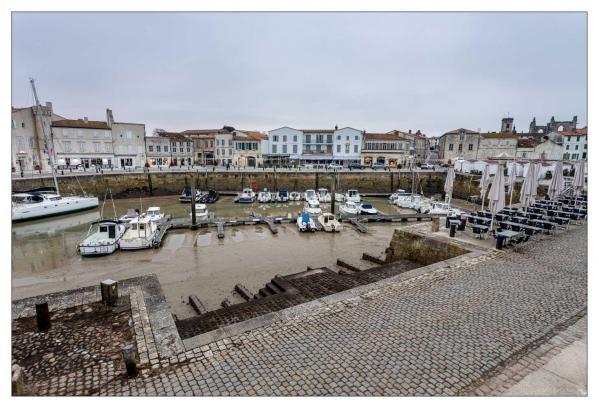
x=26 y=198
x=366 y=205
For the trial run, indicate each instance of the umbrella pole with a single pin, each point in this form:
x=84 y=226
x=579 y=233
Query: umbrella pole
x=491 y=227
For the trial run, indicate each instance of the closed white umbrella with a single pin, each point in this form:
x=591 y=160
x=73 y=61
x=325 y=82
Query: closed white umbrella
x=556 y=186
x=578 y=182
x=497 y=194
x=484 y=181
x=449 y=184
x=527 y=185
x=511 y=180
x=536 y=169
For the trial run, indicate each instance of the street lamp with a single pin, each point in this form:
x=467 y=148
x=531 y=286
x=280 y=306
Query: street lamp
x=21 y=156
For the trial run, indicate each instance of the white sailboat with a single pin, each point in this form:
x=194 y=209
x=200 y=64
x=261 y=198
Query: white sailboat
x=155 y=215
x=104 y=240
x=33 y=204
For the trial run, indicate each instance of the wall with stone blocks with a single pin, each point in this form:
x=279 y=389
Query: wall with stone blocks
x=418 y=248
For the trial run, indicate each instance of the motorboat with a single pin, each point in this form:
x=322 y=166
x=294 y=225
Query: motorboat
x=368 y=209
x=402 y=199
x=104 y=239
x=295 y=196
x=329 y=222
x=247 y=196
x=417 y=201
x=305 y=223
x=154 y=215
x=140 y=235
x=398 y=193
x=350 y=208
x=132 y=213
x=34 y=205
x=324 y=196
x=312 y=207
x=353 y=196
x=185 y=196
x=210 y=198
x=310 y=195
x=54 y=225
x=340 y=198
x=201 y=212
x=282 y=196
x=440 y=208
x=409 y=200
x=264 y=196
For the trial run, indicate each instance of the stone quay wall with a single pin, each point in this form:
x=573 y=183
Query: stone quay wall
x=125 y=185
x=406 y=245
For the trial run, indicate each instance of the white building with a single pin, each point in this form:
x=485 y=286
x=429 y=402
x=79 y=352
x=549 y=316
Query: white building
x=575 y=144
x=223 y=148
x=347 y=145
x=128 y=141
x=82 y=142
x=283 y=146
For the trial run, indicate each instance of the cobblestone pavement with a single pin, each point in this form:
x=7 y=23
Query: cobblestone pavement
x=441 y=333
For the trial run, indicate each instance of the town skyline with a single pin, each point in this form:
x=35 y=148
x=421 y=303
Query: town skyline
x=254 y=82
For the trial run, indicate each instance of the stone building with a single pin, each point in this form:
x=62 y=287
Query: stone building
x=82 y=142
x=223 y=146
x=575 y=144
x=128 y=141
x=158 y=152
x=29 y=150
x=553 y=125
x=181 y=149
x=531 y=149
x=419 y=144
x=247 y=148
x=203 y=145
x=459 y=144
x=497 y=145
x=390 y=149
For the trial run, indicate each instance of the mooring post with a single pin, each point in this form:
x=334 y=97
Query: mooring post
x=110 y=291
x=42 y=315
x=193 y=204
x=129 y=357
x=333 y=191
x=18 y=383
x=435 y=224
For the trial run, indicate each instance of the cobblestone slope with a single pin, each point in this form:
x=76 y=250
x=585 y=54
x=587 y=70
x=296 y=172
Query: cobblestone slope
x=436 y=334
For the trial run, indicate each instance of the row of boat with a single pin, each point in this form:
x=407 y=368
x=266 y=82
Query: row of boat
x=208 y=197
x=248 y=196
x=130 y=232
x=421 y=204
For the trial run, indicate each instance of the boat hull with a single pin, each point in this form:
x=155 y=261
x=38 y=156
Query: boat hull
x=45 y=210
x=98 y=250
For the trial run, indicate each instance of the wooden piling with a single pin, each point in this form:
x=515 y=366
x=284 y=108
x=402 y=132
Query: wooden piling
x=243 y=291
x=198 y=306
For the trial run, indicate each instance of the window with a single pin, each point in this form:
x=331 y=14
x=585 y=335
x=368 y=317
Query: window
x=470 y=146
x=158 y=148
x=294 y=148
x=347 y=148
x=584 y=155
x=319 y=139
x=356 y=148
x=14 y=124
x=165 y=149
x=578 y=138
x=451 y=147
x=567 y=147
x=338 y=137
x=460 y=147
x=585 y=147
x=294 y=138
x=284 y=148
x=22 y=124
x=575 y=147
x=284 y=138
x=129 y=134
x=107 y=147
x=274 y=149
x=338 y=148
x=275 y=138
x=230 y=152
x=97 y=147
x=569 y=138
x=347 y=138
x=67 y=146
x=150 y=148
x=308 y=139
x=329 y=138
x=461 y=136
x=82 y=147
x=181 y=149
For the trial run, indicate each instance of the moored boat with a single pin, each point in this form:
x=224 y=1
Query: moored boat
x=310 y=195
x=104 y=240
x=185 y=196
x=34 y=205
x=305 y=223
x=155 y=215
x=264 y=196
x=295 y=196
x=140 y=235
x=349 y=208
x=247 y=196
x=353 y=196
x=312 y=207
x=324 y=196
x=211 y=197
x=368 y=209
x=201 y=212
x=282 y=196
x=329 y=222
x=132 y=213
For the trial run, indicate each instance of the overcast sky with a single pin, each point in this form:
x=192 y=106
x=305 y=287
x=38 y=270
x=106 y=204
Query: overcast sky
x=375 y=71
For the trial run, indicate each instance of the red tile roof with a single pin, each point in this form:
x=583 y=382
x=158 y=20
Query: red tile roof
x=200 y=131
x=80 y=123
x=577 y=132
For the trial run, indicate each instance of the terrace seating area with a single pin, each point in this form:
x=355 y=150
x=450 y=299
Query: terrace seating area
x=512 y=226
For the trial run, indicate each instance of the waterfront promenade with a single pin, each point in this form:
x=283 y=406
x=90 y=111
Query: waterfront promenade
x=450 y=331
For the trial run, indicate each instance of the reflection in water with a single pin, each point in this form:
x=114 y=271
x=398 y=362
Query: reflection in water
x=45 y=259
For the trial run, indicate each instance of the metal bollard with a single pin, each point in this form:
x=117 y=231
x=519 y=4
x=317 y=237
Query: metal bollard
x=110 y=291
x=499 y=244
x=42 y=314
x=130 y=358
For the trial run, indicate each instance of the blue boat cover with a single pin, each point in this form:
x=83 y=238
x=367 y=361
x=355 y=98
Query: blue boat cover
x=305 y=218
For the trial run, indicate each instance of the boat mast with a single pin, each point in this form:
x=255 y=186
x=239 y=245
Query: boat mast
x=40 y=112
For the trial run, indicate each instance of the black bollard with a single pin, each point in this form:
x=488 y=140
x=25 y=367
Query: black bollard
x=42 y=314
x=110 y=291
x=452 y=230
x=128 y=354
x=499 y=244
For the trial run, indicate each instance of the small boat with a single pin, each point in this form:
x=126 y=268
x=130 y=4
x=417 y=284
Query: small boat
x=132 y=213
x=415 y=201
x=201 y=212
x=310 y=195
x=439 y=208
x=350 y=208
x=340 y=198
x=405 y=200
x=353 y=196
x=104 y=240
x=185 y=196
x=283 y=196
x=33 y=205
x=295 y=196
x=305 y=223
x=264 y=196
x=247 y=196
x=398 y=193
x=368 y=209
x=312 y=207
x=154 y=215
x=329 y=222
x=211 y=197
x=324 y=196
x=140 y=234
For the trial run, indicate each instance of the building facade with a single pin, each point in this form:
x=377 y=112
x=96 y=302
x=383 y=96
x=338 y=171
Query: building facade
x=390 y=149
x=575 y=144
x=553 y=125
x=459 y=144
x=129 y=145
x=158 y=150
x=497 y=145
x=82 y=142
x=531 y=149
x=283 y=146
x=247 y=149
x=223 y=148
x=203 y=145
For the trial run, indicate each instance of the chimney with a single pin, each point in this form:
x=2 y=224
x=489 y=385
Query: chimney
x=410 y=131
x=396 y=132
x=336 y=127
x=49 y=106
x=109 y=118
x=85 y=119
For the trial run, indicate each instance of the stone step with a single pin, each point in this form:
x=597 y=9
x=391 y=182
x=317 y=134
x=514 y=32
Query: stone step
x=274 y=288
x=194 y=301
